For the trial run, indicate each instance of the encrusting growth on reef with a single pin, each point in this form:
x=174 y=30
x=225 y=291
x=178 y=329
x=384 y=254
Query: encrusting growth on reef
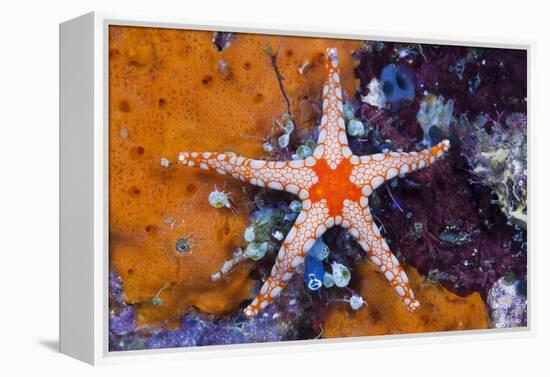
x=173 y=90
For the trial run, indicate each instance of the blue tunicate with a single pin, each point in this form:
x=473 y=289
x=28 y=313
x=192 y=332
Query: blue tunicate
x=397 y=83
x=319 y=250
x=283 y=206
x=295 y=206
x=349 y=110
x=313 y=272
x=256 y=214
x=436 y=135
x=384 y=147
x=290 y=217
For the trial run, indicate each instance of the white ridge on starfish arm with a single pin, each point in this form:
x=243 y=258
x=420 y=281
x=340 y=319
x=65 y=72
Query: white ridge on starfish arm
x=294 y=176
x=367 y=234
x=332 y=143
x=375 y=169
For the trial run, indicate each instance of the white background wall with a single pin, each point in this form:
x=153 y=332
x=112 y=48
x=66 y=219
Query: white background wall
x=29 y=184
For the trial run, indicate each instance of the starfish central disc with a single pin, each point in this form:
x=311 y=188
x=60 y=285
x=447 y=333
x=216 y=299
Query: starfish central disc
x=334 y=184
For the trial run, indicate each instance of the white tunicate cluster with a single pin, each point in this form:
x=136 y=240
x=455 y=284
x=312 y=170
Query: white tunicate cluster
x=356 y=128
x=356 y=302
x=440 y=114
x=256 y=251
x=434 y=111
x=164 y=162
x=218 y=199
x=283 y=140
x=303 y=151
x=404 y=52
x=288 y=127
x=340 y=274
x=156 y=301
x=376 y=96
x=349 y=111
x=278 y=235
x=249 y=234
x=328 y=280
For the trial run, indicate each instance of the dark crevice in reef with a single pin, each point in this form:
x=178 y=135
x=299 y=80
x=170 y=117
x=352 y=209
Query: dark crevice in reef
x=273 y=60
x=223 y=39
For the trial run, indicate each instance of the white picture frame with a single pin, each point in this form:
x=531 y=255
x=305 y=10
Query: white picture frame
x=84 y=190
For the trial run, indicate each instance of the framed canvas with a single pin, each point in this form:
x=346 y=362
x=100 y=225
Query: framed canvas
x=233 y=188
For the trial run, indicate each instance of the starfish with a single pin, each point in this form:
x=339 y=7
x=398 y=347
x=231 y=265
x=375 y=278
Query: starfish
x=334 y=186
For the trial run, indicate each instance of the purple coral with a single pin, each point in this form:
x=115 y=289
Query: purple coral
x=294 y=316
x=444 y=220
x=496 y=150
x=124 y=322
x=508 y=303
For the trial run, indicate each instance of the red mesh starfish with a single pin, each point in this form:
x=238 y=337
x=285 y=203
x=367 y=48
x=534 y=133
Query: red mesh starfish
x=334 y=186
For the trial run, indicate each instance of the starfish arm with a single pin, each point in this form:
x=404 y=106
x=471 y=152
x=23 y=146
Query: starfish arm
x=375 y=169
x=292 y=176
x=309 y=226
x=332 y=143
x=358 y=218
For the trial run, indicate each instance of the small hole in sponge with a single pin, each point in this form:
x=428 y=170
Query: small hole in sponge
x=289 y=53
x=151 y=229
x=206 y=80
x=259 y=97
x=191 y=188
x=134 y=191
x=247 y=66
x=320 y=58
x=375 y=314
x=137 y=152
x=130 y=271
x=223 y=231
x=162 y=102
x=114 y=52
x=124 y=106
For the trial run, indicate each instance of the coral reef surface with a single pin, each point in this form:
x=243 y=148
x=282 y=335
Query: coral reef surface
x=182 y=270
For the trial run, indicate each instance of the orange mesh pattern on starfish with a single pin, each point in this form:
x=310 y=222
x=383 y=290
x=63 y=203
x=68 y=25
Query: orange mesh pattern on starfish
x=334 y=185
